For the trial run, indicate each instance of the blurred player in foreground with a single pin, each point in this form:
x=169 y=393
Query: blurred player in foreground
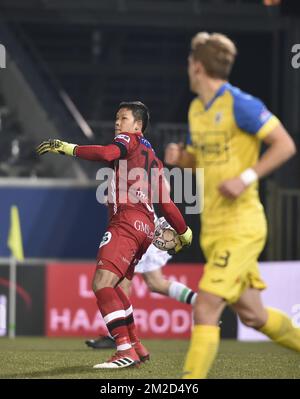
x=150 y=266
x=131 y=222
x=226 y=129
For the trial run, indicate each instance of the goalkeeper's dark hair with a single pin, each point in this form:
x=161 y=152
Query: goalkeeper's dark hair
x=139 y=111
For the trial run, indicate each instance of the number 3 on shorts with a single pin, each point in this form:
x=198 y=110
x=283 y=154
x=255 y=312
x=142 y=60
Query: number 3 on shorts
x=221 y=258
x=106 y=238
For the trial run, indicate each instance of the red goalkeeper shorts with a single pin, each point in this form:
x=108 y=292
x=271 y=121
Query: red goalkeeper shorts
x=127 y=238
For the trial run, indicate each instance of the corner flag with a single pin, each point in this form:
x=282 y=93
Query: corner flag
x=14 y=241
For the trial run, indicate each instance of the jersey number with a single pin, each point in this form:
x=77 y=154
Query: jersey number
x=221 y=259
x=153 y=164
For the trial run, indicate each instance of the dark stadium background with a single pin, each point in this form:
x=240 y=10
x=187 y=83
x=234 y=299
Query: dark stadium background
x=69 y=63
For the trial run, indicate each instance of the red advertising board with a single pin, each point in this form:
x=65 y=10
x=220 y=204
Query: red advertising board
x=71 y=308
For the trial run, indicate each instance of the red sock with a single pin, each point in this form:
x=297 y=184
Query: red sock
x=128 y=315
x=113 y=313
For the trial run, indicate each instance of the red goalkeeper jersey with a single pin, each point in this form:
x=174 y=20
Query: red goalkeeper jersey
x=135 y=177
x=137 y=180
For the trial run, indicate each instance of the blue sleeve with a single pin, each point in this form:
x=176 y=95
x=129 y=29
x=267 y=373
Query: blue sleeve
x=250 y=113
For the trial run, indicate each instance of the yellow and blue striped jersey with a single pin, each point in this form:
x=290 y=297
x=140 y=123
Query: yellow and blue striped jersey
x=225 y=137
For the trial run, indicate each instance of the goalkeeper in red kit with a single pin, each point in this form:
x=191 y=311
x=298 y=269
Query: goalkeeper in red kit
x=131 y=222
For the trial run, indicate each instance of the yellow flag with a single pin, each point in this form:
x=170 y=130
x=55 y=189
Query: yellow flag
x=14 y=241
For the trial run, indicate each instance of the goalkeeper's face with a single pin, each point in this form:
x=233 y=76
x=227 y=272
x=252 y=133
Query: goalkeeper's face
x=125 y=122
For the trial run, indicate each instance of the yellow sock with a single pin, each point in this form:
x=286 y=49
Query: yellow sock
x=202 y=351
x=280 y=329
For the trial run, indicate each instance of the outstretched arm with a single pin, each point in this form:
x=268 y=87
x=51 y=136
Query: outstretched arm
x=89 y=152
x=98 y=152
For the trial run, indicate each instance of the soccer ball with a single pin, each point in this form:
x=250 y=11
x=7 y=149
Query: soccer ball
x=165 y=237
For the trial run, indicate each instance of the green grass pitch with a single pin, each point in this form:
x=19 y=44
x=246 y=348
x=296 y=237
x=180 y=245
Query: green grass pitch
x=69 y=358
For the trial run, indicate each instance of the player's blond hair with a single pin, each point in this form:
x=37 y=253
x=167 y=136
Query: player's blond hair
x=216 y=52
